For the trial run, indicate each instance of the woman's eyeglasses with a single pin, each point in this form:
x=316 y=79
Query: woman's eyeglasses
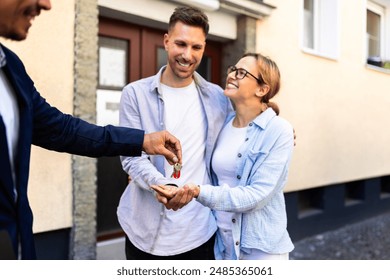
x=242 y=73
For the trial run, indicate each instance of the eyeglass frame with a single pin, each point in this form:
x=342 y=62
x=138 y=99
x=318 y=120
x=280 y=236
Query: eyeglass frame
x=233 y=68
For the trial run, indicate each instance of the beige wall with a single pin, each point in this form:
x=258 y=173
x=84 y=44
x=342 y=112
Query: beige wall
x=48 y=57
x=339 y=108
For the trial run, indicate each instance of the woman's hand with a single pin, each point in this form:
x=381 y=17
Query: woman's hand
x=175 y=198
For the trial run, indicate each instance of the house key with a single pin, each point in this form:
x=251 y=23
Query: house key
x=176 y=171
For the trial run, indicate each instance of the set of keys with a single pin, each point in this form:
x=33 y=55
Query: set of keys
x=176 y=171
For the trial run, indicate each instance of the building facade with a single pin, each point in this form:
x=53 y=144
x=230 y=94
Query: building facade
x=333 y=56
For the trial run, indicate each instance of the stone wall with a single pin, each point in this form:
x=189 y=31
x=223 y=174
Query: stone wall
x=83 y=235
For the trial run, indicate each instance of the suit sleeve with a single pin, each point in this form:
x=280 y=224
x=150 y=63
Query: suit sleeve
x=60 y=132
x=54 y=130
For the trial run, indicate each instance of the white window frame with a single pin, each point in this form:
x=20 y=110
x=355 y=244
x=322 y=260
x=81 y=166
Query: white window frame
x=382 y=8
x=326 y=29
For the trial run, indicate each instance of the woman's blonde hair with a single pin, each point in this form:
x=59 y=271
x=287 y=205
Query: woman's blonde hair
x=269 y=75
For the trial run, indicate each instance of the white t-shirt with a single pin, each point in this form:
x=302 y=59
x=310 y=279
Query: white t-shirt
x=184 y=117
x=224 y=165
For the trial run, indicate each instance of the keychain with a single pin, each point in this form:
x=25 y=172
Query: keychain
x=176 y=171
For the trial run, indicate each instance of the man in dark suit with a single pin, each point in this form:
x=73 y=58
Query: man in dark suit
x=26 y=118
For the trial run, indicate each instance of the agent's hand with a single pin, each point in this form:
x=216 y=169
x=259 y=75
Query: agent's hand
x=163 y=143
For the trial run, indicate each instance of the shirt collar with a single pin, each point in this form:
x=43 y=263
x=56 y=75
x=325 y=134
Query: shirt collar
x=264 y=118
x=3 y=60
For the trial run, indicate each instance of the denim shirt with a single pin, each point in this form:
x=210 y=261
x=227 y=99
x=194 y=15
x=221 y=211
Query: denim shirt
x=142 y=106
x=260 y=219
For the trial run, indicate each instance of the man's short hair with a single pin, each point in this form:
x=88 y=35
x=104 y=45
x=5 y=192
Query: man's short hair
x=190 y=16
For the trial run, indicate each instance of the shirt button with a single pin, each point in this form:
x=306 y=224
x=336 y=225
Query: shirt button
x=250 y=124
x=233 y=220
x=161 y=213
x=237 y=243
x=246 y=139
x=238 y=177
x=239 y=155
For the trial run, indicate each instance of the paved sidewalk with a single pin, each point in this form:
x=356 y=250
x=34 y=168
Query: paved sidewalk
x=366 y=240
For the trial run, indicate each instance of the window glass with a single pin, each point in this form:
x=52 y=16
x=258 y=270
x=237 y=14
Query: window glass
x=320 y=27
x=113 y=57
x=162 y=57
x=373 y=33
x=204 y=68
x=308 y=24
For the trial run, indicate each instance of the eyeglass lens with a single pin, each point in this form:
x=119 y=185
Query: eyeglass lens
x=240 y=73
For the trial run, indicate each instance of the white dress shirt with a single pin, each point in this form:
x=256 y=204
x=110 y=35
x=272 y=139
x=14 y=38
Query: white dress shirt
x=9 y=112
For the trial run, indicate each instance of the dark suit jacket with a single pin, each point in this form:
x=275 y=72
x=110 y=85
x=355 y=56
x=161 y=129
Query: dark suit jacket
x=45 y=126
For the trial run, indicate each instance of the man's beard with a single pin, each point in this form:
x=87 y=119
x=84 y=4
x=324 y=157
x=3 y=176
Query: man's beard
x=15 y=36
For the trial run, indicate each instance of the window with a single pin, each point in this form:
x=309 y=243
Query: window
x=374 y=33
x=112 y=63
x=377 y=44
x=320 y=27
x=310 y=202
x=308 y=38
